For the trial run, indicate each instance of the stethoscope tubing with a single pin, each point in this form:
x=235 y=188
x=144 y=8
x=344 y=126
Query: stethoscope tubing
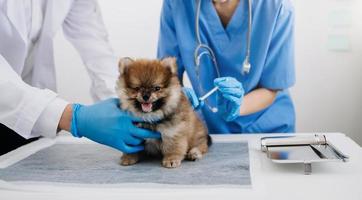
x=209 y=52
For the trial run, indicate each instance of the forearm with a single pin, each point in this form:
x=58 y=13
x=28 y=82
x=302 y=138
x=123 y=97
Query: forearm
x=257 y=100
x=66 y=119
x=27 y=110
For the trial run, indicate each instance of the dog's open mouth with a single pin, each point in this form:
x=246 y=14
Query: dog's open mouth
x=146 y=107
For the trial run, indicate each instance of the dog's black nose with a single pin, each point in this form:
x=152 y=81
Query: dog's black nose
x=146 y=97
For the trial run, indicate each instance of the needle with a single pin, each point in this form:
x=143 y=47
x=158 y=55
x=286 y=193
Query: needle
x=208 y=94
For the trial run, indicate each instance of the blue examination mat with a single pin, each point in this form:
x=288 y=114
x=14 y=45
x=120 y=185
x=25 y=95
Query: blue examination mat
x=225 y=164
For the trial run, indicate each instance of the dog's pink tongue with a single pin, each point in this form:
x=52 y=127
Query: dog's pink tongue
x=146 y=107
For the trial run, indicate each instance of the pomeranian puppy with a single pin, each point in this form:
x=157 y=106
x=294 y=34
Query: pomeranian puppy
x=150 y=90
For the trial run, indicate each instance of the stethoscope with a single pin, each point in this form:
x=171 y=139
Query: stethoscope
x=203 y=49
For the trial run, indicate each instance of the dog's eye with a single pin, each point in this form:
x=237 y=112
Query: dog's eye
x=136 y=88
x=157 y=88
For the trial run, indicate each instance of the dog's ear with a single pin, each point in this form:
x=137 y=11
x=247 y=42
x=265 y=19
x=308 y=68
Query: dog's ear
x=170 y=62
x=124 y=64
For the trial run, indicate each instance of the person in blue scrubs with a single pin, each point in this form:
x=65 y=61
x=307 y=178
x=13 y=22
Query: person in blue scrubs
x=260 y=98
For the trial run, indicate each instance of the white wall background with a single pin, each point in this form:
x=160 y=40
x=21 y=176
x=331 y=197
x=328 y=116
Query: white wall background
x=328 y=93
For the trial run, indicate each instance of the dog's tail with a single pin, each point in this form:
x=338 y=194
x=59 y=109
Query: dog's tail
x=209 y=140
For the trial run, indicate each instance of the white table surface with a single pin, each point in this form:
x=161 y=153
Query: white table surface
x=269 y=180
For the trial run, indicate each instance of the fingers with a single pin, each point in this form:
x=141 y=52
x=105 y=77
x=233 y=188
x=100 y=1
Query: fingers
x=129 y=116
x=237 y=92
x=229 y=106
x=191 y=96
x=188 y=92
x=133 y=141
x=232 y=98
x=133 y=149
x=230 y=88
x=129 y=149
x=194 y=102
x=199 y=106
x=230 y=95
x=133 y=144
x=228 y=82
x=143 y=133
x=221 y=79
x=230 y=118
x=136 y=119
x=139 y=119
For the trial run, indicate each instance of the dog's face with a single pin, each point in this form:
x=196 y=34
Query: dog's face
x=148 y=86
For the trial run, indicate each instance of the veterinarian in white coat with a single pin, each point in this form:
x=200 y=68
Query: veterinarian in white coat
x=29 y=105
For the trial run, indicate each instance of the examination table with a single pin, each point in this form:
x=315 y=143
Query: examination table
x=268 y=180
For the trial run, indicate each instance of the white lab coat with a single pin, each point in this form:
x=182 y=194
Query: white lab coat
x=23 y=105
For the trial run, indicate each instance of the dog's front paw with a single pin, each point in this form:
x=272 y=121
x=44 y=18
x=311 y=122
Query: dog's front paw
x=194 y=154
x=129 y=159
x=171 y=162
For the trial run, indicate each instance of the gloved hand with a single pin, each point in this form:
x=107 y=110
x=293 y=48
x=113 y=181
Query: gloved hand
x=105 y=123
x=191 y=96
x=229 y=98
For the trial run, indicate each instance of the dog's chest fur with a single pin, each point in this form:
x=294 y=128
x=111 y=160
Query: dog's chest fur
x=168 y=129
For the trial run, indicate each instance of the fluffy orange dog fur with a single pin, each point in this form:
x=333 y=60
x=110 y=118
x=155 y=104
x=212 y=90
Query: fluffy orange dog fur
x=150 y=89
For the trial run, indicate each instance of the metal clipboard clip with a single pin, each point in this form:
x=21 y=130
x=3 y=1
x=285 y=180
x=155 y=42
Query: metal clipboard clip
x=301 y=149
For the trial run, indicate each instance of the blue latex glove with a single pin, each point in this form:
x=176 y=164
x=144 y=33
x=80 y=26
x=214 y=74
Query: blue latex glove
x=191 y=96
x=229 y=98
x=105 y=123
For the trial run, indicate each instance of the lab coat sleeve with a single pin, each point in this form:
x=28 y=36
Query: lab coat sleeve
x=84 y=28
x=167 y=41
x=279 y=70
x=23 y=106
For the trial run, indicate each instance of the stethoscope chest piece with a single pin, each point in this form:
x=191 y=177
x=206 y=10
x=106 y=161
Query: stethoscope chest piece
x=203 y=49
x=246 y=67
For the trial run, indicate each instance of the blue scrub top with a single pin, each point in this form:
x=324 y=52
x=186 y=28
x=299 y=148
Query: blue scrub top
x=272 y=57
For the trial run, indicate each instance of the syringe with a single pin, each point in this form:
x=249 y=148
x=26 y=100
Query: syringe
x=203 y=98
